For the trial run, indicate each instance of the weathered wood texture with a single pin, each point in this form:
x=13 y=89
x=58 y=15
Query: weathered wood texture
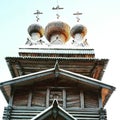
x=20 y=113
x=67 y=97
x=91 y=99
x=88 y=67
x=73 y=98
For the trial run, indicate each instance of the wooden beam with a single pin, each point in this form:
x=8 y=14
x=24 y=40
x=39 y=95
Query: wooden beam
x=30 y=99
x=47 y=97
x=82 y=99
x=28 y=77
x=100 y=99
x=11 y=96
x=85 y=79
x=5 y=94
x=64 y=98
x=10 y=66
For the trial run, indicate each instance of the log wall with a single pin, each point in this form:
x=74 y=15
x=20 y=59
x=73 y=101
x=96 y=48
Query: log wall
x=67 y=97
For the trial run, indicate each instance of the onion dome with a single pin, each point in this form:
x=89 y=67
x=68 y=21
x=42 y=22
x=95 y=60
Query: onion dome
x=35 y=28
x=57 y=28
x=78 y=29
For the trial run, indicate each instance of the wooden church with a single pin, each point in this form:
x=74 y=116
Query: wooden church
x=56 y=76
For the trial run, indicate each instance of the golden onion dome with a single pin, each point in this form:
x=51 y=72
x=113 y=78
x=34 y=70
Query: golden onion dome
x=57 y=27
x=35 y=28
x=78 y=29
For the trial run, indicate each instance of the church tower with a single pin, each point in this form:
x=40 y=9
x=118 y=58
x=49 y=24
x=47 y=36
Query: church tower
x=56 y=76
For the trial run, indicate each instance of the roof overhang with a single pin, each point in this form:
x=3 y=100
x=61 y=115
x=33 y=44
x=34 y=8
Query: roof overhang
x=106 y=90
x=91 y=67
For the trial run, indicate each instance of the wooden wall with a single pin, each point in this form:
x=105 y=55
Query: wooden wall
x=67 y=97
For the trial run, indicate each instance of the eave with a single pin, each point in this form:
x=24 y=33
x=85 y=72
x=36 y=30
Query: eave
x=57 y=72
x=91 y=67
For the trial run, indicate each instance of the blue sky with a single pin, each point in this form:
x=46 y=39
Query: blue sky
x=101 y=17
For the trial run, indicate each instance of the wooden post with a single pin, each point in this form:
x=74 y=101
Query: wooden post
x=30 y=99
x=100 y=99
x=11 y=97
x=47 y=97
x=82 y=99
x=64 y=98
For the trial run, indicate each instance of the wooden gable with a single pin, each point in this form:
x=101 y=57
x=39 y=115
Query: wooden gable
x=56 y=81
x=54 y=112
x=81 y=96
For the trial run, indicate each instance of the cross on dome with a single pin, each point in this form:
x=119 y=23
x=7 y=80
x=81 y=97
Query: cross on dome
x=57 y=8
x=77 y=15
x=37 y=13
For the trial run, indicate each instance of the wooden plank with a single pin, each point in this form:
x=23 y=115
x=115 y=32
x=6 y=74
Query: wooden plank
x=82 y=99
x=64 y=98
x=11 y=97
x=38 y=98
x=47 y=97
x=100 y=99
x=30 y=99
x=73 y=98
x=91 y=99
x=28 y=113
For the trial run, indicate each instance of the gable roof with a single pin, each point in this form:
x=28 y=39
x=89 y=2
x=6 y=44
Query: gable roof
x=55 y=110
x=106 y=89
